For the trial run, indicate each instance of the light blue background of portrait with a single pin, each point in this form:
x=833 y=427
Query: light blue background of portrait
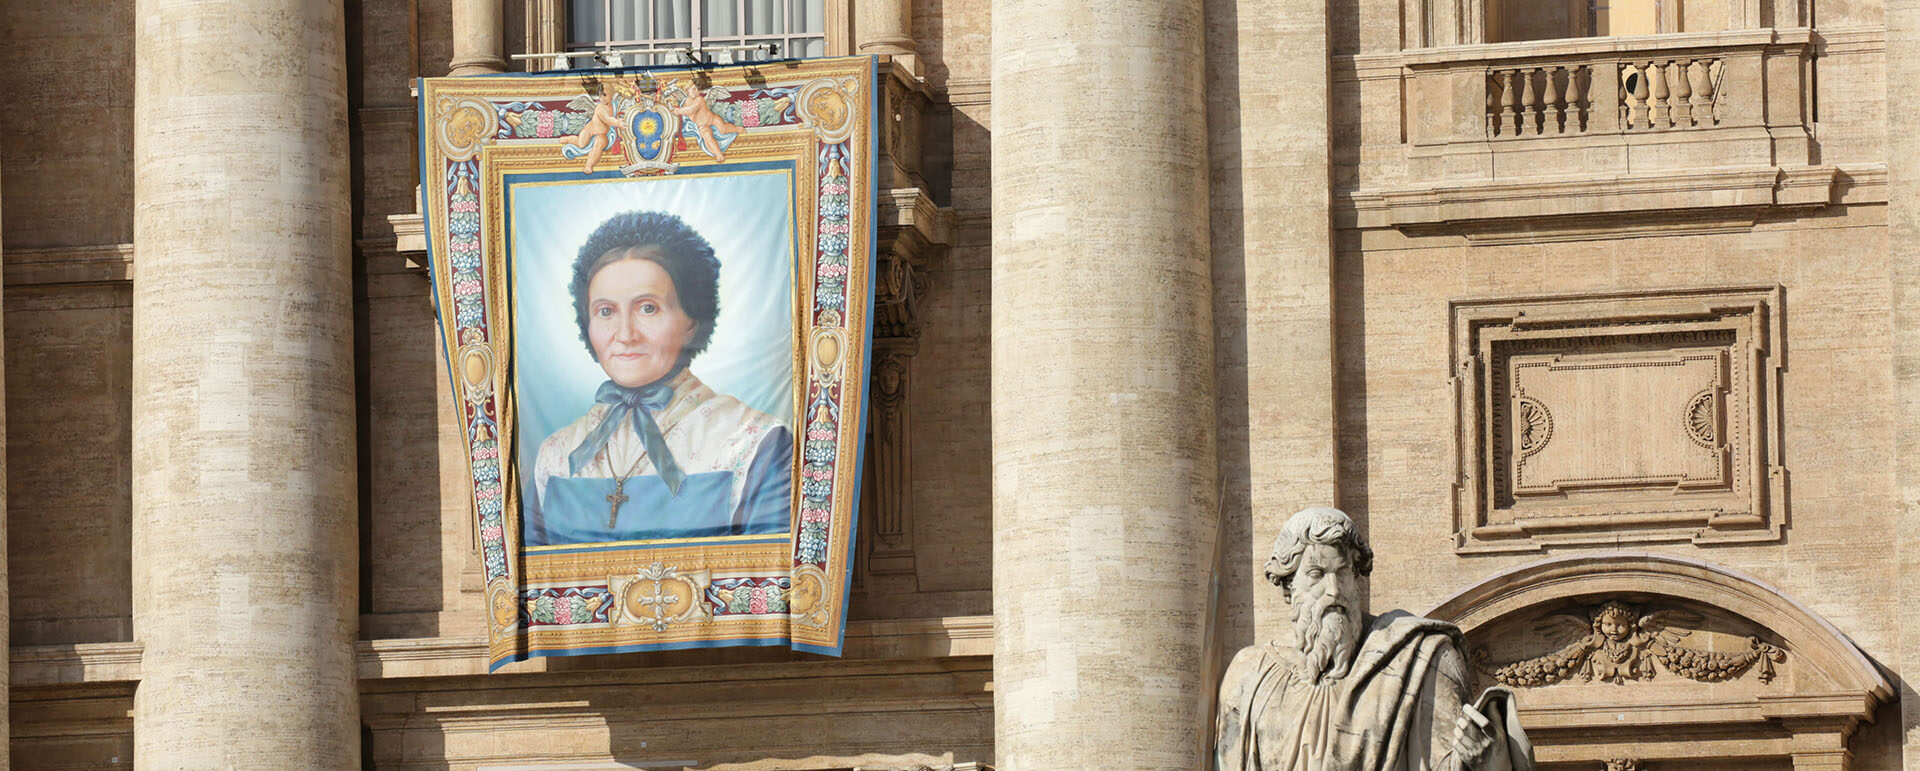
x=748 y=220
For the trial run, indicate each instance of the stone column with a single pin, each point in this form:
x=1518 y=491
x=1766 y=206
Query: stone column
x=885 y=28
x=476 y=38
x=1104 y=483
x=1903 y=243
x=244 y=548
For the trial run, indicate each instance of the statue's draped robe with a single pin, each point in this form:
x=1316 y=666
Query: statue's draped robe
x=1394 y=711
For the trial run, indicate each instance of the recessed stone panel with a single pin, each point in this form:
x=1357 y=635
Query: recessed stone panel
x=1621 y=417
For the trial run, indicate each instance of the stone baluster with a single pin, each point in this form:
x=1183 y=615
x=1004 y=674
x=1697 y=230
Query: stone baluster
x=1530 y=98
x=1635 y=81
x=1556 y=103
x=1706 y=80
x=1577 y=104
x=1509 y=102
x=1657 y=81
x=1493 y=103
x=1682 y=94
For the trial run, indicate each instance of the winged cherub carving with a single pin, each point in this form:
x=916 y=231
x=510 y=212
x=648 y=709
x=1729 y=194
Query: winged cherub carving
x=1615 y=644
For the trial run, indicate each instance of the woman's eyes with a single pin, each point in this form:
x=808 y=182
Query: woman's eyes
x=607 y=311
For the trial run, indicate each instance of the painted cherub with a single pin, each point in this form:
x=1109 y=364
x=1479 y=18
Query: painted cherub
x=595 y=137
x=696 y=106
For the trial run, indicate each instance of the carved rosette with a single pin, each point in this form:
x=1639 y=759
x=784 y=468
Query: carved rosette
x=1535 y=427
x=1702 y=420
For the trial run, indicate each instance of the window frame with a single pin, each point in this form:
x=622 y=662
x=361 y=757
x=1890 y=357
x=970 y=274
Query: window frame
x=550 y=22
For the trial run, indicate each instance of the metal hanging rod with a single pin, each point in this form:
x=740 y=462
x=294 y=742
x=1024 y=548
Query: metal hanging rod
x=610 y=56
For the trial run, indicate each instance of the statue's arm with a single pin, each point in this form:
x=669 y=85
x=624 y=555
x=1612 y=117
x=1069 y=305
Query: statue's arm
x=1448 y=682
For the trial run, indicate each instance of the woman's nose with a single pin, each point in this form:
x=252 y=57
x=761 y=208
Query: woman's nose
x=629 y=329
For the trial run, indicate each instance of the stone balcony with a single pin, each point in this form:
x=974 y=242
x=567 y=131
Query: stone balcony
x=1557 y=139
x=1610 y=105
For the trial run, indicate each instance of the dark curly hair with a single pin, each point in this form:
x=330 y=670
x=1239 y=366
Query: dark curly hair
x=670 y=243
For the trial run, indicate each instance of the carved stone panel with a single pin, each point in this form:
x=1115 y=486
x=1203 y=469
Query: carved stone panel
x=1621 y=417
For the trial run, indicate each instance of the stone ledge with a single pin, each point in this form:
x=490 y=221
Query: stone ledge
x=1389 y=64
x=1565 y=46
x=44 y=665
x=53 y=665
x=1588 y=207
x=888 y=639
x=92 y=264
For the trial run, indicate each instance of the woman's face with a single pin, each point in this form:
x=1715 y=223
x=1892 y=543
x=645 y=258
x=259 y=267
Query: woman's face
x=635 y=322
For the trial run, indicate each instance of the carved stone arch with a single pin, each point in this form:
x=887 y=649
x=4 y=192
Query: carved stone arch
x=1695 y=662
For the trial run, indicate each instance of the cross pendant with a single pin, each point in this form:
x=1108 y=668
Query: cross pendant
x=614 y=500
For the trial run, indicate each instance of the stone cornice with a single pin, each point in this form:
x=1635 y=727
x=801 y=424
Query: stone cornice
x=45 y=665
x=866 y=640
x=871 y=641
x=1584 y=207
x=90 y=264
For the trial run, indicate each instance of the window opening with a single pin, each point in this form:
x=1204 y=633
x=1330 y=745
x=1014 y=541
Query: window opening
x=664 y=29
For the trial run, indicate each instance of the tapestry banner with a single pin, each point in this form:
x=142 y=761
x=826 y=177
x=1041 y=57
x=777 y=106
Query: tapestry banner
x=655 y=293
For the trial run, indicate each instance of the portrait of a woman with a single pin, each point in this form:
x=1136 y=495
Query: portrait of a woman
x=659 y=454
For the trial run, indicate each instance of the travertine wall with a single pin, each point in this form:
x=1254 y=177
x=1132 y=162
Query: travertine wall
x=1331 y=383
x=1397 y=415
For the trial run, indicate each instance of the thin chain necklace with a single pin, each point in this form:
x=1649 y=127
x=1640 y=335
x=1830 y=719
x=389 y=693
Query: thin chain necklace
x=619 y=495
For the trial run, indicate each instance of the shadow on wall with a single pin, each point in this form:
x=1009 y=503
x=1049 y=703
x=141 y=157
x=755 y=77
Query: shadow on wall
x=1241 y=556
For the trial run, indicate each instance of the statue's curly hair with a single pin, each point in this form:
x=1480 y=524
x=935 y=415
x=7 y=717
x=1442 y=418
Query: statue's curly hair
x=1316 y=525
x=676 y=247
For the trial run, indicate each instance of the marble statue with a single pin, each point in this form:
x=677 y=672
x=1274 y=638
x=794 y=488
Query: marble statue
x=1355 y=692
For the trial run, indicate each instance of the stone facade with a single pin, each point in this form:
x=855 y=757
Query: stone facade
x=1566 y=323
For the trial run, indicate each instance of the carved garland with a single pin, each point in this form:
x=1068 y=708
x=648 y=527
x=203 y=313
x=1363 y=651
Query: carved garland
x=1623 y=645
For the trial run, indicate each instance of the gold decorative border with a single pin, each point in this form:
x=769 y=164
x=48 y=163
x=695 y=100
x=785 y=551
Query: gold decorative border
x=460 y=125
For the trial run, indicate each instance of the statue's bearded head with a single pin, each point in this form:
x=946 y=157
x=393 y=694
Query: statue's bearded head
x=1318 y=560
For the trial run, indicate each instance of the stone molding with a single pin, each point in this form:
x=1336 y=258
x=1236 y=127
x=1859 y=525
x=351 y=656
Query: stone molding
x=1830 y=689
x=55 y=665
x=1589 y=207
x=96 y=264
x=882 y=640
x=1544 y=456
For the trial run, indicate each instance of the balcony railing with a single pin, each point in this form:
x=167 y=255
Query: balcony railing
x=1577 y=106
x=1653 y=95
